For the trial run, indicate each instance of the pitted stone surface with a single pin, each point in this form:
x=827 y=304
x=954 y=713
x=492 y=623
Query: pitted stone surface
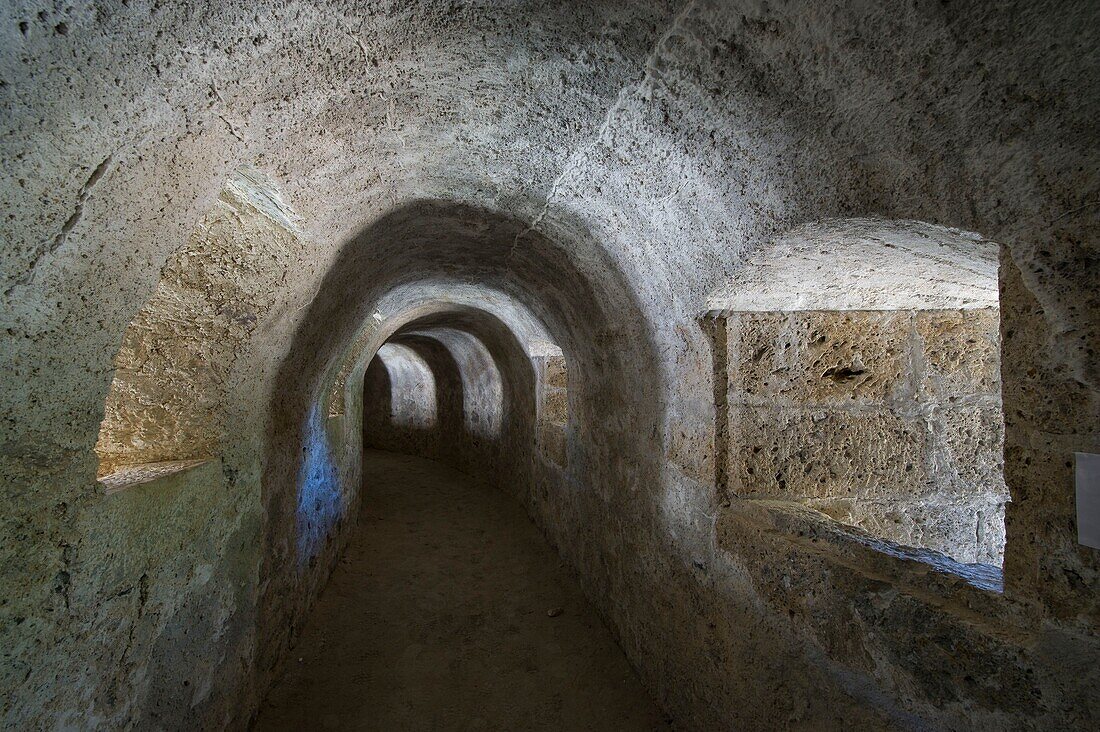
x=167 y=397
x=961 y=353
x=824 y=358
x=615 y=169
x=887 y=420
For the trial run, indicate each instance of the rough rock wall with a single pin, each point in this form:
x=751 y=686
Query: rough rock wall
x=159 y=567
x=886 y=420
x=553 y=371
x=170 y=381
x=612 y=165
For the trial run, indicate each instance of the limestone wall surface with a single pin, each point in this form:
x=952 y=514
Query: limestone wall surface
x=610 y=166
x=553 y=372
x=886 y=420
x=167 y=396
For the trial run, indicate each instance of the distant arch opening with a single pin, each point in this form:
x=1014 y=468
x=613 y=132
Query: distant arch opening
x=458 y=385
x=400 y=391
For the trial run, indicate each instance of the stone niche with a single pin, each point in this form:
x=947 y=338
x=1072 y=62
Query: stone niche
x=167 y=400
x=887 y=420
x=553 y=407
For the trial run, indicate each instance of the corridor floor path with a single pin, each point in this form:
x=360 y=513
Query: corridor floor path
x=438 y=618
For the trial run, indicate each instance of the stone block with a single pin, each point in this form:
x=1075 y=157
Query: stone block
x=961 y=352
x=802 y=453
x=555 y=372
x=820 y=358
x=969 y=449
x=555 y=406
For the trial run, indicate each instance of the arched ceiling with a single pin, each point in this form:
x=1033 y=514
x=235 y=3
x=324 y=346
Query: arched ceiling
x=673 y=137
x=607 y=164
x=865 y=264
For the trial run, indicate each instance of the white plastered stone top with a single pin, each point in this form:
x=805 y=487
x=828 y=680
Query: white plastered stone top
x=865 y=264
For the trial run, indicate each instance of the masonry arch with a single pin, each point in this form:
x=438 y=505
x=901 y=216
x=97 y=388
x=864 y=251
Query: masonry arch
x=485 y=394
x=403 y=390
x=166 y=406
x=415 y=272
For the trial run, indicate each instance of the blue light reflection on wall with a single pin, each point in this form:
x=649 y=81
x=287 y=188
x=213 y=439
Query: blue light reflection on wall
x=320 y=500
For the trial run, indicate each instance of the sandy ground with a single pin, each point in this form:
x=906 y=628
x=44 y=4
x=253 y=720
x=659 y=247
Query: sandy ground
x=437 y=619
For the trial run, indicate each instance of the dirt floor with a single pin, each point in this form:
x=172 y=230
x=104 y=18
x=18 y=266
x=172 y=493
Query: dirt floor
x=439 y=618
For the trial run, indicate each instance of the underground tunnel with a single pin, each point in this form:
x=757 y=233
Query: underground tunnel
x=696 y=365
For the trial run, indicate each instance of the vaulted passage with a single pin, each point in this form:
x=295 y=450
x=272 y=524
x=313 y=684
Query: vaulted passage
x=450 y=611
x=762 y=338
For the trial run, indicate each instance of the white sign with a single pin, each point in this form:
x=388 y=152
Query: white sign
x=1088 y=499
